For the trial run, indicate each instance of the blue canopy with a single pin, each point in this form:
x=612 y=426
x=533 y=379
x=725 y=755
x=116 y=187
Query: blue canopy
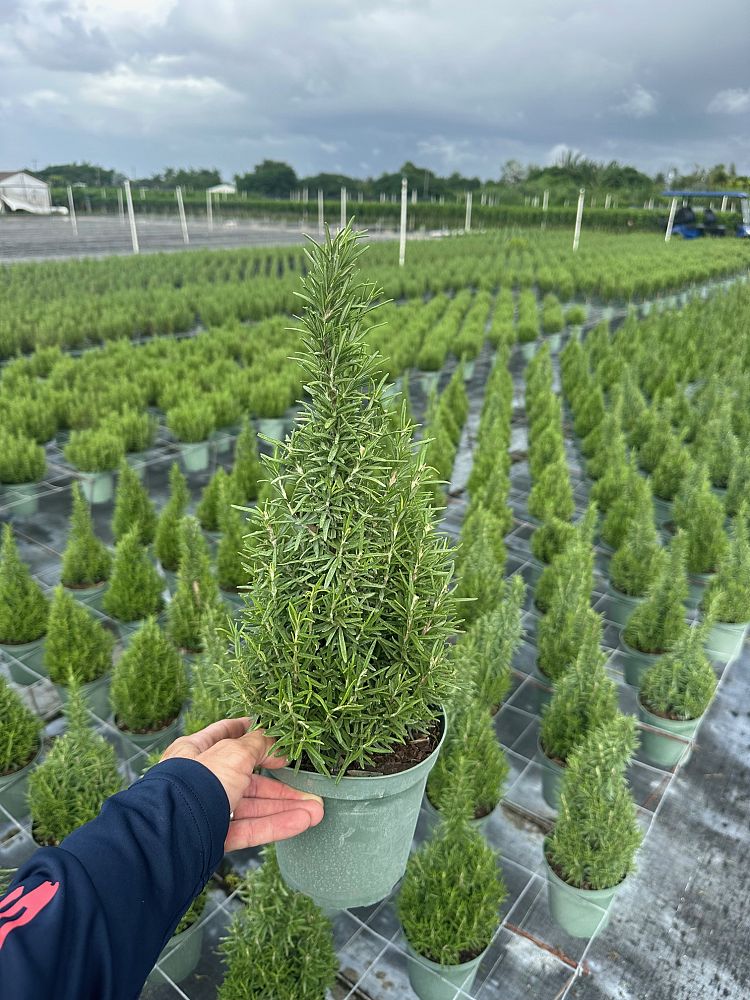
x=703 y=194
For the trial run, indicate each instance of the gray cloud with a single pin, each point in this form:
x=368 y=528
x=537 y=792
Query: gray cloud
x=335 y=85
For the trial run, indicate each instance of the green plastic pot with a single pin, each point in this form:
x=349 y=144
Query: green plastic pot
x=469 y=367
x=97 y=487
x=435 y=816
x=87 y=594
x=26 y=502
x=195 y=456
x=697 y=586
x=181 y=955
x=620 y=606
x=428 y=381
x=726 y=640
x=575 y=332
x=159 y=740
x=528 y=350
x=431 y=981
x=544 y=685
x=636 y=662
x=30 y=654
x=137 y=461
x=95 y=693
x=554 y=340
x=14 y=786
x=663 y=750
x=271 y=427
x=581 y=913
x=358 y=852
x=552 y=776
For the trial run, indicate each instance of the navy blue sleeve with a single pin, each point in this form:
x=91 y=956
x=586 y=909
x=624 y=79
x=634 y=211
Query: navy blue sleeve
x=87 y=920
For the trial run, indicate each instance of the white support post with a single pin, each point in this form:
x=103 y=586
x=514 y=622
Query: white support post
x=535 y=201
x=414 y=196
x=360 y=196
x=120 y=208
x=143 y=194
x=545 y=206
x=382 y=197
x=321 y=212
x=304 y=194
x=608 y=201
x=467 y=221
x=651 y=203
x=579 y=218
x=724 y=203
x=402 y=235
x=209 y=211
x=131 y=217
x=72 y=210
x=670 y=221
x=343 y=207
x=183 y=220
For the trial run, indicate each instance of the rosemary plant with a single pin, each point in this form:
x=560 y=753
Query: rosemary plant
x=133 y=507
x=20 y=731
x=681 y=684
x=86 y=560
x=658 y=623
x=77 y=643
x=196 y=591
x=167 y=540
x=23 y=606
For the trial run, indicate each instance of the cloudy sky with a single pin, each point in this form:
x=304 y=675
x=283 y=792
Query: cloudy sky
x=359 y=86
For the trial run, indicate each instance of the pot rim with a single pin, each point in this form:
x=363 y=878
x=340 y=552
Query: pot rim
x=13 y=775
x=436 y=966
x=660 y=720
x=592 y=894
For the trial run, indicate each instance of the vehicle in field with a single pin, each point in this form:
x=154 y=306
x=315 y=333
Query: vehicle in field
x=683 y=222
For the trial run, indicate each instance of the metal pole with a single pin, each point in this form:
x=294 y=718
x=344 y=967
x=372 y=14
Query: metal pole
x=467 y=221
x=131 y=217
x=402 y=236
x=545 y=206
x=724 y=203
x=579 y=217
x=670 y=223
x=608 y=201
x=304 y=194
x=209 y=211
x=414 y=196
x=181 y=210
x=72 y=210
x=343 y=207
x=321 y=219
x=120 y=209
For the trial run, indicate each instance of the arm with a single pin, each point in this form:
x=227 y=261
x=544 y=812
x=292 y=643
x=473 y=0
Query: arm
x=89 y=919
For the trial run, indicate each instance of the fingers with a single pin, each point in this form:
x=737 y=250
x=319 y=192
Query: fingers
x=257 y=808
x=269 y=788
x=197 y=743
x=269 y=829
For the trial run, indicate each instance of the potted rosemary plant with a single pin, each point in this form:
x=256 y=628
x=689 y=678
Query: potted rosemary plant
x=23 y=611
x=728 y=595
x=20 y=746
x=191 y=424
x=279 y=944
x=135 y=590
x=449 y=903
x=592 y=847
x=167 y=539
x=133 y=507
x=96 y=453
x=675 y=694
x=341 y=652
x=196 y=590
x=87 y=562
x=634 y=566
x=22 y=466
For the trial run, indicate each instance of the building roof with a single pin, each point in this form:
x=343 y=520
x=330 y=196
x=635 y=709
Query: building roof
x=5 y=174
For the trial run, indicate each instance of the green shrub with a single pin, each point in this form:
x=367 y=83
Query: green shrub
x=74 y=780
x=149 y=683
x=482 y=522
x=135 y=588
x=86 y=560
x=136 y=428
x=480 y=577
x=375 y=656
x=470 y=743
x=562 y=628
x=700 y=512
x=247 y=470
x=681 y=684
x=451 y=894
x=193 y=422
x=230 y=560
x=23 y=606
x=546 y=448
x=552 y=495
x=584 y=698
x=167 y=538
x=640 y=557
x=635 y=501
x=207 y=511
x=22 y=460
x=77 y=644
x=596 y=835
x=590 y=412
x=94 y=450
x=728 y=594
x=671 y=469
x=208 y=688
x=575 y=315
x=488 y=647
x=576 y=561
x=738 y=487
x=551 y=538
x=279 y=944
x=133 y=507
x=657 y=624
x=612 y=483
x=196 y=591
x=20 y=731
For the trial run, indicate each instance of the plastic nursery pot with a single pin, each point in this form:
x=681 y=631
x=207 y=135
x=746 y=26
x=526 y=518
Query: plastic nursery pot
x=428 y=381
x=582 y=913
x=663 y=750
x=469 y=367
x=544 y=685
x=528 y=350
x=554 y=340
x=575 y=332
x=358 y=852
x=552 y=775
x=97 y=487
x=435 y=816
x=697 y=586
x=431 y=981
x=22 y=499
x=636 y=662
x=725 y=641
x=13 y=788
x=195 y=456
x=158 y=740
x=95 y=693
x=271 y=427
x=620 y=606
x=181 y=954
x=30 y=654
x=137 y=461
x=87 y=593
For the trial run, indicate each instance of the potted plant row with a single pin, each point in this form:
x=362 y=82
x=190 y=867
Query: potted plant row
x=20 y=749
x=24 y=610
x=87 y=562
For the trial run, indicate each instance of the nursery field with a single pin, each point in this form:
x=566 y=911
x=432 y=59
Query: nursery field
x=587 y=420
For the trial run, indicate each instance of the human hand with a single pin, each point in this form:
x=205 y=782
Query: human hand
x=263 y=809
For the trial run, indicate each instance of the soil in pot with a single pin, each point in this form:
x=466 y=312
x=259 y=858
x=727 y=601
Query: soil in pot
x=582 y=913
x=431 y=981
x=663 y=750
x=357 y=854
x=154 y=739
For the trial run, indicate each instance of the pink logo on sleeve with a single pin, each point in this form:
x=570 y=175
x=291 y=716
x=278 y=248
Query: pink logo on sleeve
x=17 y=908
